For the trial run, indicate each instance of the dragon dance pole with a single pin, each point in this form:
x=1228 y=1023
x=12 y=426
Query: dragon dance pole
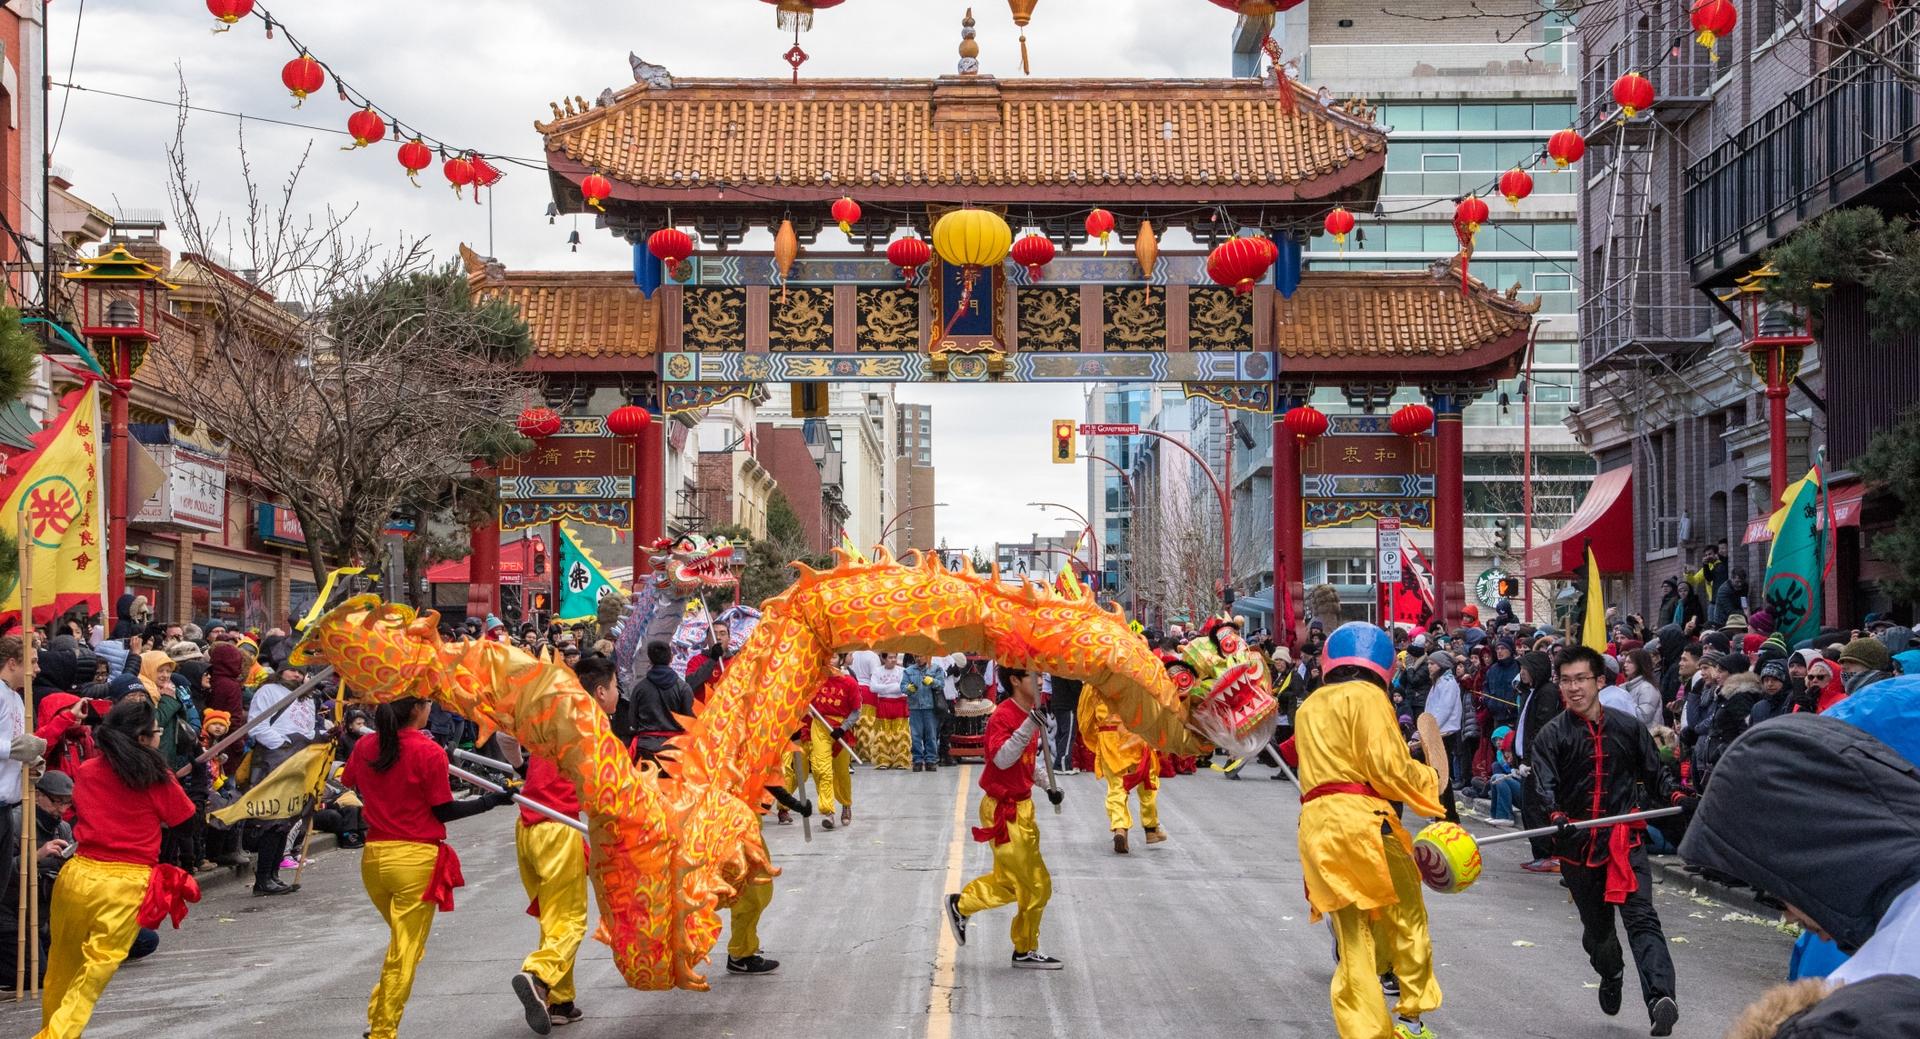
x=1611 y=820
x=524 y=802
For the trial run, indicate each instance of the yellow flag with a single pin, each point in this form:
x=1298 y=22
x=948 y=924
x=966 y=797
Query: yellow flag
x=286 y=791
x=51 y=496
x=846 y=542
x=1593 y=629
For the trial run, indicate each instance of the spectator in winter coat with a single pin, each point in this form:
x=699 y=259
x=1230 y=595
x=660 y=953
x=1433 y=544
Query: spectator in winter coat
x=1737 y=696
x=1497 y=683
x=1636 y=670
x=1776 y=692
x=1539 y=704
x=1865 y=661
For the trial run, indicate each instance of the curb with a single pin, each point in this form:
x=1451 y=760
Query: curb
x=241 y=876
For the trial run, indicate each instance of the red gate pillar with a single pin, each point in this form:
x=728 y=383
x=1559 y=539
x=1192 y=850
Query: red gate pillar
x=1288 y=538
x=1449 y=550
x=483 y=571
x=650 y=493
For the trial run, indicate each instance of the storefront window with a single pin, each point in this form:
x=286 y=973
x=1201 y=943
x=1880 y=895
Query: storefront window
x=231 y=598
x=300 y=597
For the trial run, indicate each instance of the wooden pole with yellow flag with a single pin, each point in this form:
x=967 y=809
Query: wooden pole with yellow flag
x=26 y=971
x=1593 y=627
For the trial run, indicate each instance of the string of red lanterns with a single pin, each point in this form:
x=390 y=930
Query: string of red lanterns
x=1033 y=251
x=306 y=75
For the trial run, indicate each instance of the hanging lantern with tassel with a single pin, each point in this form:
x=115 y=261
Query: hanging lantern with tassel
x=1146 y=249
x=909 y=254
x=415 y=156
x=973 y=240
x=302 y=76
x=1633 y=93
x=629 y=421
x=459 y=173
x=1516 y=184
x=1100 y=225
x=229 y=11
x=1713 y=21
x=595 y=189
x=1034 y=252
x=1411 y=421
x=1240 y=263
x=366 y=127
x=846 y=213
x=1306 y=423
x=1339 y=224
x=1468 y=215
x=1566 y=147
x=671 y=246
x=538 y=423
x=1022 y=14
x=786 y=249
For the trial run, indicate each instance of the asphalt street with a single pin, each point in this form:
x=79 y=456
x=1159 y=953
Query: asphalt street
x=1207 y=935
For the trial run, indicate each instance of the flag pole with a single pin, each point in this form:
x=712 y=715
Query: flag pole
x=27 y=958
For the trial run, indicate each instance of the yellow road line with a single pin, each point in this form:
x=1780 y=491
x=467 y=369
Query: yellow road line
x=940 y=997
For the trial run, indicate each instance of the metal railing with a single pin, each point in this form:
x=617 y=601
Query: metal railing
x=1531 y=61
x=1858 y=119
x=1651 y=309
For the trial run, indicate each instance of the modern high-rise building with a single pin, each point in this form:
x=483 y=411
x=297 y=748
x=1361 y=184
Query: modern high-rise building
x=1465 y=99
x=859 y=431
x=915 y=494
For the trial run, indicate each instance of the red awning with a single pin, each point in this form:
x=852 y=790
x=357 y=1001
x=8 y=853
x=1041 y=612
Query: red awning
x=1605 y=518
x=1845 y=501
x=516 y=564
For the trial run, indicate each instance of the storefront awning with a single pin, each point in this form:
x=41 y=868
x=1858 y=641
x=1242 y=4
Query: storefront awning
x=143 y=572
x=516 y=566
x=1258 y=602
x=1846 y=502
x=1604 y=519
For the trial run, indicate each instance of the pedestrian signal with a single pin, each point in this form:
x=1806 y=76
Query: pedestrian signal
x=1064 y=444
x=1509 y=587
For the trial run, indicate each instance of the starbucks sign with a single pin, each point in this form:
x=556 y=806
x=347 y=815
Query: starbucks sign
x=1487 y=587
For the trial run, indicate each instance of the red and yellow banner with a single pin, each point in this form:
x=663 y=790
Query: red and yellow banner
x=51 y=499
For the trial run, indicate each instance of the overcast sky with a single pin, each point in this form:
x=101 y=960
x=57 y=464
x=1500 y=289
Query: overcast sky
x=477 y=73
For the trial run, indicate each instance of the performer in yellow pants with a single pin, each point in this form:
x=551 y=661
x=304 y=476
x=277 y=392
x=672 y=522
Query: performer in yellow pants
x=743 y=939
x=1357 y=858
x=94 y=905
x=397 y=875
x=553 y=870
x=1015 y=736
x=1125 y=762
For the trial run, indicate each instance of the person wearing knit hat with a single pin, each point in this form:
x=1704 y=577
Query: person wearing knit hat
x=1773 y=647
x=1750 y=643
x=1863 y=662
x=1761 y=621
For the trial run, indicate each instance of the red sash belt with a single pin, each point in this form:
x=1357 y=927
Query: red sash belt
x=1005 y=811
x=446 y=877
x=1141 y=775
x=1621 y=881
x=1363 y=789
x=169 y=889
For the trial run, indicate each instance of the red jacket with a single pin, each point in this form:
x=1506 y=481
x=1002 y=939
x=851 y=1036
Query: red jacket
x=1007 y=786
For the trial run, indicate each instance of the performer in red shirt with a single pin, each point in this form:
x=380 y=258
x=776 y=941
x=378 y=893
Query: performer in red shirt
x=839 y=701
x=114 y=885
x=408 y=869
x=1015 y=731
x=553 y=869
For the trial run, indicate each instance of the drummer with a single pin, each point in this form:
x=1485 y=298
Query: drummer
x=1606 y=866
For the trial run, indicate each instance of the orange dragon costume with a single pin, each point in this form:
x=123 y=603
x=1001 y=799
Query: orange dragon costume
x=669 y=852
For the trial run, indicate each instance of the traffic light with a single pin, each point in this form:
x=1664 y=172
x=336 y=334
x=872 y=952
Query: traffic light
x=1503 y=533
x=1509 y=588
x=1065 y=446
x=539 y=556
x=810 y=400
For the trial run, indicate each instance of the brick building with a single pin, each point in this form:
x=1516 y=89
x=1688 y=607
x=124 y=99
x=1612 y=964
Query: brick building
x=1796 y=118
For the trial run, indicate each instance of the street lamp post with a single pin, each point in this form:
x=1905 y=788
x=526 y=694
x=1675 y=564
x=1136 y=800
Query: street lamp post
x=1093 y=538
x=886 y=529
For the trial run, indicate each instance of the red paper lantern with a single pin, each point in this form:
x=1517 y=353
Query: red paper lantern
x=628 y=421
x=846 y=213
x=538 y=423
x=485 y=175
x=595 y=189
x=1339 y=224
x=1257 y=8
x=909 y=254
x=1306 y=423
x=1633 y=93
x=459 y=173
x=415 y=156
x=1034 y=252
x=366 y=126
x=1100 y=225
x=670 y=246
x=229 y=11
x=1469 y=215
x=1713 y=19
x=1516 y=184
x=1566 y=147
x=303 y=75
x=1412 y=421
x=1241 y=262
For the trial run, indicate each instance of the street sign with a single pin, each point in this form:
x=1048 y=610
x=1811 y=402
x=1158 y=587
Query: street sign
x=1109 y=429
x=1388 y=530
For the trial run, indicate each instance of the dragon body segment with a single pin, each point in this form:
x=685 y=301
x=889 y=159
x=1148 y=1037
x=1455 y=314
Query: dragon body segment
x=669 y=851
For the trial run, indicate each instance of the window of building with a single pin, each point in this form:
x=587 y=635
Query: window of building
x=1350 y=570
x=231 y=598
x=300 y=597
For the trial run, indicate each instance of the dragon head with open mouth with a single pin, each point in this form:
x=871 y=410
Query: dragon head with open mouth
x=692 y=562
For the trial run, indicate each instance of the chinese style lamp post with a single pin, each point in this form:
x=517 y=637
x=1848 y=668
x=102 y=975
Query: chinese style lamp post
x=1777 y=341
x=121 y=310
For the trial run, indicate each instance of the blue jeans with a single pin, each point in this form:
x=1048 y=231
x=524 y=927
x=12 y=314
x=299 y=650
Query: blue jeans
x=1506 y=792
x=925 y=724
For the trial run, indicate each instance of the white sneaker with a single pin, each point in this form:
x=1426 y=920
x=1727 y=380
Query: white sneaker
x=1505 y=824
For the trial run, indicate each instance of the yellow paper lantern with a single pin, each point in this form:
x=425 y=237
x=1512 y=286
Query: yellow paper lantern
x=972 y=238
